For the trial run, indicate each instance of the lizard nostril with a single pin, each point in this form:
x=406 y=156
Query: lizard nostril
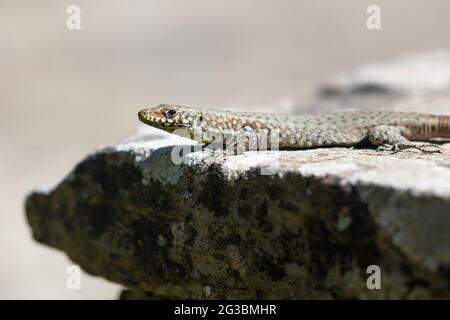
x=142 y=115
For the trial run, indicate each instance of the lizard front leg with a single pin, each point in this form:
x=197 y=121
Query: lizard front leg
x=224 y=144
x=245 y=138
x=390 y=138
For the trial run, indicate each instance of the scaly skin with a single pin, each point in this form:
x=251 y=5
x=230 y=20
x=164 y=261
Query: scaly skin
x=386 y=129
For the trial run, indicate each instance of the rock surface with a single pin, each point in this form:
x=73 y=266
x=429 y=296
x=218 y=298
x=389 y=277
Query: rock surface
x=201 y=230
x=288 y=224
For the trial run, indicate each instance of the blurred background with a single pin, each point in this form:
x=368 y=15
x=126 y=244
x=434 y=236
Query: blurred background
x=66 y=92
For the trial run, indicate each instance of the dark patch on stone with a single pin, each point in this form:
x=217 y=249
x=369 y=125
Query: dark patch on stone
x=270 y=267
x=217 y=194
x=159 y=196
x=294 y=246
x=234 y=238
x=155 y=259
x=322 y=248
x=192 y=236
x=94 y=217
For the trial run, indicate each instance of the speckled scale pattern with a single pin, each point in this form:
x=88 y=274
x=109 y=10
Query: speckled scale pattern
x=333 y=129
x=301 y=131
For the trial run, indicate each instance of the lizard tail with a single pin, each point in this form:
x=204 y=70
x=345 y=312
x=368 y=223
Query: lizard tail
x=428 y=126
x=443 y=127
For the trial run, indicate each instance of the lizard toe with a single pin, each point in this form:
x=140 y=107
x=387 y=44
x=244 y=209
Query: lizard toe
x=388 y=147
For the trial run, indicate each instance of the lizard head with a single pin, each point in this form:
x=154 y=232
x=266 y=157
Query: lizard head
x=170 y=117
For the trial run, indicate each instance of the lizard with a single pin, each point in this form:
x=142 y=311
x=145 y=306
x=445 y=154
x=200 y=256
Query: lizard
x=387 y=130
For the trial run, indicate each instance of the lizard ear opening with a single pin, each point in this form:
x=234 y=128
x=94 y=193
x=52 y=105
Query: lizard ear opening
x=198 y=121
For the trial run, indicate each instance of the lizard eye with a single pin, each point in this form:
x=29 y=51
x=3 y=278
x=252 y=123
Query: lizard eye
x=171 y=113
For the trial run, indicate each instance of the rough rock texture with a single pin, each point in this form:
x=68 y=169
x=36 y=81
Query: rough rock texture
x=309 y=229
x=129 y=214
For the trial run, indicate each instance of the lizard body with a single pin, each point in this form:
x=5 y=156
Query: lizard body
x=386 y=129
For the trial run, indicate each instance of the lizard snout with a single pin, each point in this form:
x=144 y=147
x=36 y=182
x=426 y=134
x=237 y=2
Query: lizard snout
x=143 y=115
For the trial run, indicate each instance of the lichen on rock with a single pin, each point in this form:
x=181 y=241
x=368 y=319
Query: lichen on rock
x=205 y=230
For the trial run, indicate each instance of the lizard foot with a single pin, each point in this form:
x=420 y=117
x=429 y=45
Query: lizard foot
x=213 y=156
x=394 y=148
x=424 y=147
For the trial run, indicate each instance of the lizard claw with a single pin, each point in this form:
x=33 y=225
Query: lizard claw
x=425 y=148
x=214 y=156
x=394 y=148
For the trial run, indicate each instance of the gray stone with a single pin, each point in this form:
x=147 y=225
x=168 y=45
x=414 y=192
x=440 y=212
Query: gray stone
x=225 y=230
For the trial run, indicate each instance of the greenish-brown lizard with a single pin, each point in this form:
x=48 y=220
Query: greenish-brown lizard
x=386 y=130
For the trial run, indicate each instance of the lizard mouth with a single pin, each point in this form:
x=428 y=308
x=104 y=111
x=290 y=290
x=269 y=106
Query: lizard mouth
x=142 y=115
x=159 y=122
